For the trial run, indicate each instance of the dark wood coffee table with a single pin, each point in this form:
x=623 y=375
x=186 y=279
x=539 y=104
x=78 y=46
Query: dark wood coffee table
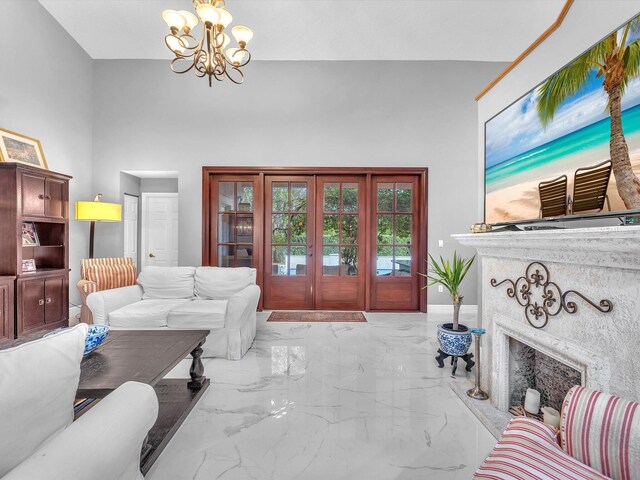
x=147 y=356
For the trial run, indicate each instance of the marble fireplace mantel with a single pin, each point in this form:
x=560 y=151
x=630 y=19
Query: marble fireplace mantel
x=600 y=263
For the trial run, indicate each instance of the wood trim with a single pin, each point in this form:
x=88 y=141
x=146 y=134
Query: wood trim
x=554 y=26
x=314 y=170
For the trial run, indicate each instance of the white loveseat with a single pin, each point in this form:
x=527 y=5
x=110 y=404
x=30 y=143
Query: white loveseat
x=222 y=300
x=39 y=439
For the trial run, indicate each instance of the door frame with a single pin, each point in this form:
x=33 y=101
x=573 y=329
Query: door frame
x=422 y=172
x=144 y=221
x=138 y=228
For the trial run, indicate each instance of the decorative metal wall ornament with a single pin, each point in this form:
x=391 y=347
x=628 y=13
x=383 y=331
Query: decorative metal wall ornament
x=551 y=300
x=209 y=56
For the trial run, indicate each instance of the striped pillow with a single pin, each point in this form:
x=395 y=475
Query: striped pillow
x=111 y=276
x=602 y=431
x=528 y=450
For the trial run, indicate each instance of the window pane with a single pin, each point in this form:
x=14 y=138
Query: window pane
x=403 y=197
x=226 y=256
x=244 y=256
x=298 y=261
x=244 y=228
x=279 y=228
x=349 y=197
x=331 y=197
x=330 y=229
x=330 y=260
x=299 y=228
x=299 y=197
x=403 y=229
x=402 y=263
x=349 y=229
x=226 y=228
x=225 y=196
x=349 y=260
x=279 y=260
x=384 y=261
x=245 y=196
x=385 y=228
x=385 y=197
x=280 y=197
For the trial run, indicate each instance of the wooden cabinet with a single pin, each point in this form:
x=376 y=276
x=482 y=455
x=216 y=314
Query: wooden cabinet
x=39 y=198
x=7 y=313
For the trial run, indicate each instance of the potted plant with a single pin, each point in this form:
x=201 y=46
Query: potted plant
x=453 y=337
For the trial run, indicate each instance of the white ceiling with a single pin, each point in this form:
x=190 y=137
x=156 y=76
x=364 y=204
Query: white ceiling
x=481 y=30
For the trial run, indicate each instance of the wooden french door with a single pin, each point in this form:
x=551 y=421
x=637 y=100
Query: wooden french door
x=289 y=248
x=394 y=243
x=340 y=243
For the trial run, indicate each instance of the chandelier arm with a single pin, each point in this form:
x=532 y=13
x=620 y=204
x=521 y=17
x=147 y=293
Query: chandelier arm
x=179 y=71
x=241 y=78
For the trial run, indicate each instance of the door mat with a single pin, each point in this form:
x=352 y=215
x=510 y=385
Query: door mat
x=316 y=317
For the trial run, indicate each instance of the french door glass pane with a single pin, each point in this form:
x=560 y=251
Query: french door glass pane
x=280 y=260
x=226 y=199
x=349 y=229
x=330 y=260
x=299 y=197
x=402 y=261
x=331 y=197
x=244 y=256
x=403 y=197
x=244 y=228
x=226 y=228
x=403 y=230
x=245 y=196
x=385 y=229
x=384 y=261
x=385 y=197
x=330 y=229
x=299 y=228
x=279 y=228
x=298 y=261
x=349 y=197
x=349 y=261
x=226 y=256
x=280 y=197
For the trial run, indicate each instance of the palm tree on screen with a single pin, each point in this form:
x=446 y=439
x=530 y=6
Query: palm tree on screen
x=616 y=62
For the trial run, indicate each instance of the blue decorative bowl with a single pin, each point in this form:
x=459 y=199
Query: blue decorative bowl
x=95 y=336
x=454 y=342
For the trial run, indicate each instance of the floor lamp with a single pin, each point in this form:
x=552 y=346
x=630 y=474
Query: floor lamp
x=97 y=211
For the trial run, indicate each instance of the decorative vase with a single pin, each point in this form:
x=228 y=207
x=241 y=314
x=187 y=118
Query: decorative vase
x=454 y=342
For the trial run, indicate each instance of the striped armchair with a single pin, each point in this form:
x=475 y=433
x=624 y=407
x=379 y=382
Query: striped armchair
x=99 y=274
x=599 y=439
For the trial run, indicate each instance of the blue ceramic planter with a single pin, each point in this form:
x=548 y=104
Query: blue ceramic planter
x=454 y=342
x=95 y=336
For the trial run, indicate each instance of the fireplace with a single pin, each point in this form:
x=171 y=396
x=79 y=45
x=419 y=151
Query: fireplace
x=530 y=368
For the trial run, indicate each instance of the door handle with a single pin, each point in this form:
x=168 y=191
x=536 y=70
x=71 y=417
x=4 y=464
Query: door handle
x=41 y=302
x=311 y=254
x=151 y=255
x=48 y=300
x=41 y=196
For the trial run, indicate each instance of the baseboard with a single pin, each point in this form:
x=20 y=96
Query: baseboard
x=448 y=309
x=74 y=315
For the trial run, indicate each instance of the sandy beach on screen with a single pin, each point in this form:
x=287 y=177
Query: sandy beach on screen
x=522 y=201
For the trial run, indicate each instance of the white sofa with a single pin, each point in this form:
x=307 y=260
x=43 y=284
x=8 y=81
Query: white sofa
x=222 y=300
x=38 y=438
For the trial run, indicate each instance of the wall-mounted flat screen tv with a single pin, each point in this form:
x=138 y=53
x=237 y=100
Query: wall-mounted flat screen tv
x=570 y=147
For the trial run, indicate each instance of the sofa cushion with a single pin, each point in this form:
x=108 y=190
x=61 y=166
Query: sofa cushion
x=219 y=283
x=150 y=313
x=205 y=314
x=108 y=277
x=167 y=282
x=529 y=450
x=602 y=431
x=38 y=383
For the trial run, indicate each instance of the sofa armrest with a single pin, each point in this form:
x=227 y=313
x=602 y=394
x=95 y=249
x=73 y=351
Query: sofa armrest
x=103 y=444
x=106 y=301
x=242 y=306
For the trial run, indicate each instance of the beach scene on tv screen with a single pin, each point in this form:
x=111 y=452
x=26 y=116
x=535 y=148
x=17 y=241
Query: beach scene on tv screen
x=571 y=146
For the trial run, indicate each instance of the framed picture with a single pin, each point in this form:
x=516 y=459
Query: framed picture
x=29 y=265
x=29 y=235
x=15 y=147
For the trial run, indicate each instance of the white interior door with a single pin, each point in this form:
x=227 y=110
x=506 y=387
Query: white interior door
x=160 y=229
x=131 y=227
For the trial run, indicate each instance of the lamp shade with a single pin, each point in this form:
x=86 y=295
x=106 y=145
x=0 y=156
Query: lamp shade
x=98 y=211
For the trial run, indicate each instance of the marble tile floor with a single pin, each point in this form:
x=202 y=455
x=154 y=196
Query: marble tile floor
x=330 y=401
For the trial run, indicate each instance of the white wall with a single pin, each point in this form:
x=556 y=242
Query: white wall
x=293 y=113
x=46 y=92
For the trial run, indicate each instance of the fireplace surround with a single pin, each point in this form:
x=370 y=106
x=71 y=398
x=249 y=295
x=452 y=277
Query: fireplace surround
x=600 y=346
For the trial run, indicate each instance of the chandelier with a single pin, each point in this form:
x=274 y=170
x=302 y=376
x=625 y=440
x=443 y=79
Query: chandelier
x=209 y=56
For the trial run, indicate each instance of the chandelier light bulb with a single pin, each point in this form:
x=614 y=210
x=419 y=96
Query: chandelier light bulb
x=226 y=40
x=190 y=20
x=225 y=17
x=242 y=34
x=174 y=19
x=208 y=13
x=235 y=55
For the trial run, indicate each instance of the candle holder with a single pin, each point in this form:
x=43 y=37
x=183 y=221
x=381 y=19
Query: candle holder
x=476 y=392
